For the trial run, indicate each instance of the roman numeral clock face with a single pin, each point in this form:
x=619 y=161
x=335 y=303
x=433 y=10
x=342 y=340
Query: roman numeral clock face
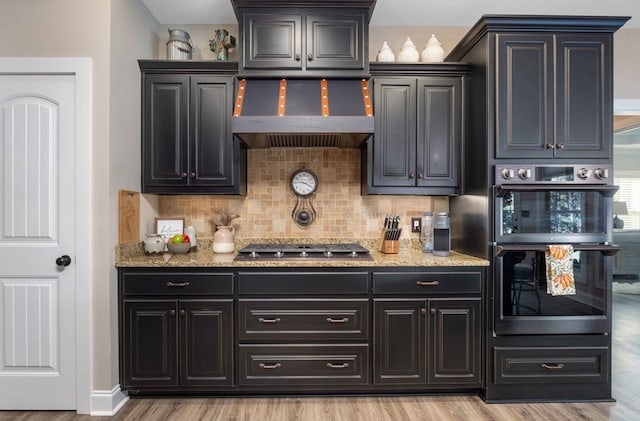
x=304 y=182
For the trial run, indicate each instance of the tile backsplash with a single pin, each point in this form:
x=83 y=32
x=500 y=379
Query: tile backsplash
x=265 y=212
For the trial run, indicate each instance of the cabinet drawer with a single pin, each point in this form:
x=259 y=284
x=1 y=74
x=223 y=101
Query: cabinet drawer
x=177 y=283
x=517 y=365
x=304 y=365
x=426 y=283
x=281 y=283
x=300 y=319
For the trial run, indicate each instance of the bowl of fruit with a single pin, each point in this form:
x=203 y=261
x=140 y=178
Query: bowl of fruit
x=179 y=244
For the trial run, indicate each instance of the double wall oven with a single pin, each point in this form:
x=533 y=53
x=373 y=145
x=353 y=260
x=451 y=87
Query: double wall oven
x=540 y=205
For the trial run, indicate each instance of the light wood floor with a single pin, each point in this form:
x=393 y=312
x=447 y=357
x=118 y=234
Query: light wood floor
x=626 y=390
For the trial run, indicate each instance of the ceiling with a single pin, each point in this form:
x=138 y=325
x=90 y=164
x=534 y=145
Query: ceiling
x=410 y=12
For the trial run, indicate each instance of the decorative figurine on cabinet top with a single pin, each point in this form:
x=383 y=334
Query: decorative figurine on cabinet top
x=408 y=52
x=221 y=43
x=433 y=52
x=386 y=54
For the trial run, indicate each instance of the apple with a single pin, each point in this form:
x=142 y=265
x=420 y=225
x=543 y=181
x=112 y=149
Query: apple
x=177 y=239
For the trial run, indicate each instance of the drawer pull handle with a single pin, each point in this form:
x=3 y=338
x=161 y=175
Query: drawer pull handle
x=177 y=284
x=263 y=320
x=332 y=320
x=270 y=366
x=428 y=283
x=343 y=365
x=552 y=366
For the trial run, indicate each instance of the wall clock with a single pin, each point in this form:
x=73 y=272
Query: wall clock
x=304 y=184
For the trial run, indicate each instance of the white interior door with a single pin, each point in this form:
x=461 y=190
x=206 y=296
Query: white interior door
x=37 y=220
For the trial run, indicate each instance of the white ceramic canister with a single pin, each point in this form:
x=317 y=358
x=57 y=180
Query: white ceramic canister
x=386 y=54
x=154 y=244
x=223 y=239
x=433 y=52
x=408 y=53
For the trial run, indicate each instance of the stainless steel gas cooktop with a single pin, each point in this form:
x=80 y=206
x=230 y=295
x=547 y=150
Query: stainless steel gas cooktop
x=303 y=252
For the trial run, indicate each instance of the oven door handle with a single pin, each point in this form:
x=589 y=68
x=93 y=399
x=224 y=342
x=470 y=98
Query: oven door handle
x=606 y=249
x=504 y=189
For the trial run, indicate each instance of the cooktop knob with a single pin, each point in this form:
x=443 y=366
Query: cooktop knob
x=507 y=173
x=583 y=173
x=524 y=173
x=601 y=173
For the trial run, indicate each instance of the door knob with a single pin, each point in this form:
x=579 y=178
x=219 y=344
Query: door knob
x=63 y=261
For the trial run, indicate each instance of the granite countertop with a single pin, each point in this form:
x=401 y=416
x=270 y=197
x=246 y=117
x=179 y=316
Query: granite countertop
x=132 y=255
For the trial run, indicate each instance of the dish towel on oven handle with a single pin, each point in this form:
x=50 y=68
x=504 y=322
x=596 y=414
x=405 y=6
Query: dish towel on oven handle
x=559 y=262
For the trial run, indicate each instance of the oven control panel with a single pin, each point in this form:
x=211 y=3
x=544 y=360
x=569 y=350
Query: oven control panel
x=553 y=173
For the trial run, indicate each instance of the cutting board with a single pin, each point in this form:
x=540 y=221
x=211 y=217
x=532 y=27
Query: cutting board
x=128 y=216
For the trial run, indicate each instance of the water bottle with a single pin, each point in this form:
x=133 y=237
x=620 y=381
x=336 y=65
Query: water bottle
x=191 y=232
x=426 y=234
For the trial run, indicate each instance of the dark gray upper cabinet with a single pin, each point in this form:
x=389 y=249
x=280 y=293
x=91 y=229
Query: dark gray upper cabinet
x=187 y=144
x=313 y=41
x=553 y=95
x=418 y=132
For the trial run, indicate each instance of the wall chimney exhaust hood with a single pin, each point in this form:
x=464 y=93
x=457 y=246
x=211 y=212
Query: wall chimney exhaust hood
x=303 y=113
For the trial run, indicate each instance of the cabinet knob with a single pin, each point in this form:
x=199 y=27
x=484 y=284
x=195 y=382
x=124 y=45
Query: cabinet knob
x=172 y=313
x=412 y=175
x=192 y=174
x=183 y=312
x=420 y=175
x=183 y=175
x=297 y=57
x=310 y=57
x=560 y=146
x=432 y=311
x=423 y=311
x=549 y=146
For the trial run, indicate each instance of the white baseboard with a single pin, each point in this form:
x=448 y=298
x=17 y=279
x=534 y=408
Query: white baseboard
x=107 y=402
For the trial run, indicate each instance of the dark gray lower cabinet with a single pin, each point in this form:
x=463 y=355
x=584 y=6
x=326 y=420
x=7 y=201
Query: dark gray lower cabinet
x=171 y=338
x=291 y=331
x=428 y=341
x=427 y=329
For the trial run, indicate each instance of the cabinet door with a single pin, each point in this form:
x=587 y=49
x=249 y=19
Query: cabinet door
x=399 y=340
x=454 y=341
x=212 y=158
x=149 y=335
x=584 y=96
x=439 y=131
x=271 y=41
x=165 y=130
x=394 y=144
x=206 y=343
x=524 y=96
x=335 y=41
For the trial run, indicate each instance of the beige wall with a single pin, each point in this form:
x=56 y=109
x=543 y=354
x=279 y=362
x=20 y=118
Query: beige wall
x=133 y=35
x=76 y=28
x=82 y=28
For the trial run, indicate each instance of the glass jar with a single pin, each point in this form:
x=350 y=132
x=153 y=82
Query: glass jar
x=426 y=233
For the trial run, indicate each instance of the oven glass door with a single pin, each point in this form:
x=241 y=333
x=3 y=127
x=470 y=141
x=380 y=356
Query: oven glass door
x=553 y=214
x=523 y=304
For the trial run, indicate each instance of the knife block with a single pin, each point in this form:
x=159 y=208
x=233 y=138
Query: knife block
x=389 y=246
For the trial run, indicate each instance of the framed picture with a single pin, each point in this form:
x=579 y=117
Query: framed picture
x=168 y=227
